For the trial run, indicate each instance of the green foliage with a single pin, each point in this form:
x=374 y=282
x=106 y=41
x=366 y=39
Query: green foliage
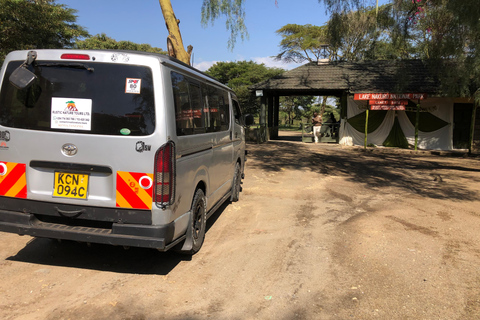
x=101 y=41
x=355 y=35
x=445 y=30
x=295 y=106
x=239 y=76
x=442 y=32
x=37 y=24
x=234 y=13
x=301 y=43
x=326 y=113
x=351 y=36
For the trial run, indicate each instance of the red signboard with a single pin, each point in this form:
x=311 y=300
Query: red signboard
x=389 y=102
x=389 y=96
x=386 y=107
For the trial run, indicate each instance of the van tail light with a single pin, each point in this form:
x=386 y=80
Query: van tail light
x=75 y=56
x=165 y=175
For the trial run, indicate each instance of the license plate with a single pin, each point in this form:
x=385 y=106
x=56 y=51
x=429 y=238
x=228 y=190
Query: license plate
x=70 y=185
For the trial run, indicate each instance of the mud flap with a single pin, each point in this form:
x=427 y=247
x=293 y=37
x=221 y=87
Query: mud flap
x=188 y=243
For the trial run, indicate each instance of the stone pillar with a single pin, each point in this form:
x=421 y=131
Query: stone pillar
x=276 y=115
x=263 y=120
x=475 y=138
x=271 y=134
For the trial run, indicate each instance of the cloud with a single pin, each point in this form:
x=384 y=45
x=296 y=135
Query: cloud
x=267 y=61
x=204 y=65
x=272 y=63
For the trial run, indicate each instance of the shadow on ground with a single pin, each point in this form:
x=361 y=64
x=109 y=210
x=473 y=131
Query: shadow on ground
x=425 y=175
x=103 y=257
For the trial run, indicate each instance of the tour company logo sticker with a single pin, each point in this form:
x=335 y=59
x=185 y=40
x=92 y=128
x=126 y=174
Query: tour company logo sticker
x=71 y=106
x=71 y=114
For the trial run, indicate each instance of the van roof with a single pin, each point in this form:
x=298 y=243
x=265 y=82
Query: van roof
x=164 y=58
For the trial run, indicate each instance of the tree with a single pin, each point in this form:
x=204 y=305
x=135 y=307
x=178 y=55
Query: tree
x=37 y=24
x=347 y=36
x=446 y=32
x=174 y=39
x=440 y=31
x=354 y=35
x=296 y=106
x=239 y=76
x=211 y=10
x=101 y=41
x=302 y=43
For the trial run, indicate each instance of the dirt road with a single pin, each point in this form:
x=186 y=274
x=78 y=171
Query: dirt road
x=320 y=232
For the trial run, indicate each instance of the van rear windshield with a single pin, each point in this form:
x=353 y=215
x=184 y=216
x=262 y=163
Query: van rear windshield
x=85 y=98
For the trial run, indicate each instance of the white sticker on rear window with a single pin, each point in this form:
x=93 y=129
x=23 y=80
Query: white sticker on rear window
x=68 y=113
x=133 y=85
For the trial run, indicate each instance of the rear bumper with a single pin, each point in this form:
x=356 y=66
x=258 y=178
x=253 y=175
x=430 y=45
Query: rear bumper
x=131 y=235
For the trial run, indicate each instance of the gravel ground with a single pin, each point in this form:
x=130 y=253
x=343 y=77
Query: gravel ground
x=321 y=231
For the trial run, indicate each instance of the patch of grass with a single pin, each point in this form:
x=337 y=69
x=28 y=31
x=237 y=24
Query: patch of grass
x=291 y=128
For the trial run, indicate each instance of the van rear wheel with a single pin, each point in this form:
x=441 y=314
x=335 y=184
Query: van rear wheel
x=237 y=183
x=197 y=225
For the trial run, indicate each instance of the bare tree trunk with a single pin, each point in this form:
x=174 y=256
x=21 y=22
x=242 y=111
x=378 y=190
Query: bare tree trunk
x=324 y=104
x=174 y=40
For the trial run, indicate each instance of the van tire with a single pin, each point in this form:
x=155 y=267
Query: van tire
x=196 y=228
x=237 y=184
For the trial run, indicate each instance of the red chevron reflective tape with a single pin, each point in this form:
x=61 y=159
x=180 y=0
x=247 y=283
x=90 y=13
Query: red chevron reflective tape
x=134 y=190
x=13 y=181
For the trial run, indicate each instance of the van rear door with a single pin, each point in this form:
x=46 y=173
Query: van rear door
x=80 y=129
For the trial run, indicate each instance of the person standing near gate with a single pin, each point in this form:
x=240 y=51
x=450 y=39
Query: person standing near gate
x=317 y=125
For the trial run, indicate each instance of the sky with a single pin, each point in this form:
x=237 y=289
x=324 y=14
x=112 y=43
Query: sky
x=141 y=21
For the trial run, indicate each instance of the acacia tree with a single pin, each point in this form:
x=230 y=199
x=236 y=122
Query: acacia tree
x=211 y=9
x=302 y=43
x=355 y=35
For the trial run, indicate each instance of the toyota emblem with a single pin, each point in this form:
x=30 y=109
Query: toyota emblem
x=69 y=149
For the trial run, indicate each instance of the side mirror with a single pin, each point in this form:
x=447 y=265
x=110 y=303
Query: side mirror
x=248 y=120
x=21 y=78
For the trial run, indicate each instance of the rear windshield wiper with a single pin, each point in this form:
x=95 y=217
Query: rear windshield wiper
x=66 y=65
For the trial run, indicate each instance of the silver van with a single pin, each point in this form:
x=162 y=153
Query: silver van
x=115 y=147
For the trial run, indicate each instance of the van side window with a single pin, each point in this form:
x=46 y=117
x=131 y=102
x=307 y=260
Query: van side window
x=219 y=109
x=189 y=105
x=182 y=104
x=237 y=114
x=197 y=107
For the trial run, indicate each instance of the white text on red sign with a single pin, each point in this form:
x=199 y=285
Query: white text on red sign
x=389 y=96
x=389 y=102
x=386 y=107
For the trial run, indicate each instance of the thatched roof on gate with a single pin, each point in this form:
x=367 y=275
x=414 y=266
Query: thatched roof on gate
x=332 y=78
